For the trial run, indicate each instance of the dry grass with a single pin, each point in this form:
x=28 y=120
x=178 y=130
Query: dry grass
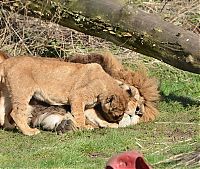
x=22 y=34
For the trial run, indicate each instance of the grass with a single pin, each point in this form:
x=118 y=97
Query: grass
x=175 y=132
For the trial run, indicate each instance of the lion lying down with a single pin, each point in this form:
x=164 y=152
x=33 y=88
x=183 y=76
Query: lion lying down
x=51 y=118
x=59 y=83
x=61 y=120
x=58 y=119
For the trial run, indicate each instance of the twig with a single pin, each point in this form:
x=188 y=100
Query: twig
x=164 y=6
x=9 y=26
x=177 y=122
x=177 y=157
x=139 y=144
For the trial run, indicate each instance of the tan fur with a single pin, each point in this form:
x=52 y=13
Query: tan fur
x=49 y=117
x=4 y=106
x=147 y=86
x=60 y=83
x=54 y=115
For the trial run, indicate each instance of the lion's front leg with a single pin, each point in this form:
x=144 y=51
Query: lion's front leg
x=20 y=116
x=5 y=109
x=77 y=110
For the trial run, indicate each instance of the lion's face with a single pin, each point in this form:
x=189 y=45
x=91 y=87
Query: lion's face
x=136 y=103
x=135 y=109
x=133 y=113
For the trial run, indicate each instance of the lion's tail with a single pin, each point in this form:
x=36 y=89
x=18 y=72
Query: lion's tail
x=108 y=62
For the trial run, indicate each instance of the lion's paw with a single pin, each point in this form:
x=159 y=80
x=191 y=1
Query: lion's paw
x=31 y=132
x=88 y=127
x=65 y=126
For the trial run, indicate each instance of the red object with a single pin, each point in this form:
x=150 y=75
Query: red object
x=127 y=160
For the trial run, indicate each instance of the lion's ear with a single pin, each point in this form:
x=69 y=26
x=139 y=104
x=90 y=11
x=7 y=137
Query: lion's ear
x=106 y=99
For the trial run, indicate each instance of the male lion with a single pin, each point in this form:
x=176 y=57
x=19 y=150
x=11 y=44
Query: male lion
x=60 y=83
x=148 y=96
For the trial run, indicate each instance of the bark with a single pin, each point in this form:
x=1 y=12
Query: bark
x=123 y=24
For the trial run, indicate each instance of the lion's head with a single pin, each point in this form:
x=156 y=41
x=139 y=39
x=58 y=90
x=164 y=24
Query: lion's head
x=113 y=106
x=143 y=93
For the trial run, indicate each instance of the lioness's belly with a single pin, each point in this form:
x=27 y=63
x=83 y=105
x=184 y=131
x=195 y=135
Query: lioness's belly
x=59 y=99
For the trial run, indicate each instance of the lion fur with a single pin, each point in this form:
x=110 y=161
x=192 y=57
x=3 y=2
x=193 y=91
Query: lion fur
x=147 y=86
x=77 y=83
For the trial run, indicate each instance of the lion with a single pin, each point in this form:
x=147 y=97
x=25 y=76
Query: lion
x=51 y=119
x=57 y=118
x=148 y=97
x=60 y=83
x=144 y=101
x=145 y=98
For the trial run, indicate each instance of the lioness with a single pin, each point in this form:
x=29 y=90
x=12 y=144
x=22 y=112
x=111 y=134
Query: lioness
x=60 y=83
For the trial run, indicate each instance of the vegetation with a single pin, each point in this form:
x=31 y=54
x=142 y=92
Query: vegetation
x=172 y=141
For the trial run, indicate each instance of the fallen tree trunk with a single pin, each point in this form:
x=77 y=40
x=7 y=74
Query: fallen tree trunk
x=121 y=23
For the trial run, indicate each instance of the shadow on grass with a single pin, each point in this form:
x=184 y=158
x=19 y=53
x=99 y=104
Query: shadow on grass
x=185 y=101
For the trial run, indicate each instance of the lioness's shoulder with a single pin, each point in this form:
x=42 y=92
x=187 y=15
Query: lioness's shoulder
x=94 y=66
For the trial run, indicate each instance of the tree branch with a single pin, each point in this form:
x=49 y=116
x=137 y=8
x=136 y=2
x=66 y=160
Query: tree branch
x=122 y=24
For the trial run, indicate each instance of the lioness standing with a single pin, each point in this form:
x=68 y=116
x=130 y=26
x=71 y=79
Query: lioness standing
x=60 y=83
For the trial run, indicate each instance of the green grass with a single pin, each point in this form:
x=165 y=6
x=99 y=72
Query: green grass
x=174 y=132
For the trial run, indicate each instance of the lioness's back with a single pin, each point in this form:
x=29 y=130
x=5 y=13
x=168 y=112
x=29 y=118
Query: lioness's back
x=53 y=71
x=43 y=63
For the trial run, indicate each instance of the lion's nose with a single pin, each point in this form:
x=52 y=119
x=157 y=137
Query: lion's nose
x=138 y=111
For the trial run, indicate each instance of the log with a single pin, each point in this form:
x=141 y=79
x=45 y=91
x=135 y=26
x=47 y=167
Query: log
x=122 y=24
